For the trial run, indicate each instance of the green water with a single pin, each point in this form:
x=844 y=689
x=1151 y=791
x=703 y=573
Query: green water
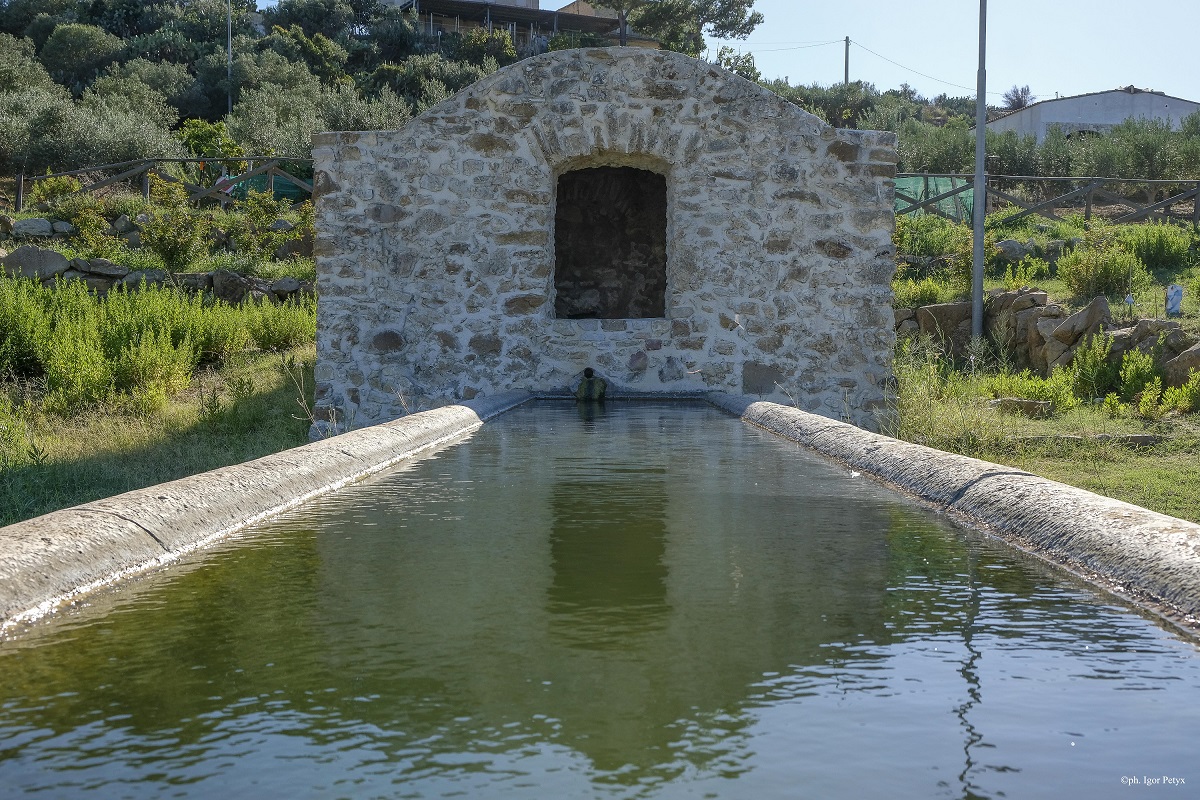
x=648 y=601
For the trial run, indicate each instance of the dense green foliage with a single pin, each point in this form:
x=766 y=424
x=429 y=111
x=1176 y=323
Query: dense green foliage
x=130 y=349
x=85 y=82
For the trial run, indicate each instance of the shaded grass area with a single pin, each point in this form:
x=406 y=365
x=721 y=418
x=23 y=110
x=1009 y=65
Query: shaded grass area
x=249 y=408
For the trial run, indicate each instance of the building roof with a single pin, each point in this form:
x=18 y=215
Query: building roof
x=1131 y=89
x=479 y=10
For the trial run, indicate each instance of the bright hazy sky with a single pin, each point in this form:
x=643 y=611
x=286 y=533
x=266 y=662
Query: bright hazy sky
x=1064 y=46
x=1055 y=46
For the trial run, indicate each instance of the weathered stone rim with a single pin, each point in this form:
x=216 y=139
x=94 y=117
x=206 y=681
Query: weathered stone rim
x=1147 y=559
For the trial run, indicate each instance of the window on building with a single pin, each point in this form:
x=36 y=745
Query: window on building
x=610 y=244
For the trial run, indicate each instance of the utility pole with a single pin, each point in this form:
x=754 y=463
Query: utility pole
x=847 y=60
x=979 y=202
x=229 y=52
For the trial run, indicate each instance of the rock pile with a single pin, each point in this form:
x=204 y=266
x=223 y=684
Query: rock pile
x=101 y=275
x=1040 y=335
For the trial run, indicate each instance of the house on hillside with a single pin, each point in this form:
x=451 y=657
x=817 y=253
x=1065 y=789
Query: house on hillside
x=530 y=26
x=1095 y=112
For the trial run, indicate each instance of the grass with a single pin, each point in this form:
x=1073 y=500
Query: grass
x=945 y=408
x=248 y=408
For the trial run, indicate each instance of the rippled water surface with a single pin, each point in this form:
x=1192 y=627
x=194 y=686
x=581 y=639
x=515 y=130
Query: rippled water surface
x=641 y=601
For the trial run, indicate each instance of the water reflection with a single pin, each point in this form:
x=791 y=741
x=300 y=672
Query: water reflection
x=569 y=607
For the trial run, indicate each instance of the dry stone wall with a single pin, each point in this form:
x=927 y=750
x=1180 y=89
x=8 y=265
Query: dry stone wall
x=436 y=243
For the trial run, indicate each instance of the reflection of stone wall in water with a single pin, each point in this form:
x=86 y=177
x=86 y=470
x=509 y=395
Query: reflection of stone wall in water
x=439 y=257
x=610 y=244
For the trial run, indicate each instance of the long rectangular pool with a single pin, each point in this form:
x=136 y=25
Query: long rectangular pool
x=639 y=601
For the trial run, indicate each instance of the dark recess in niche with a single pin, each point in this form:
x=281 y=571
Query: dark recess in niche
x=610 y=244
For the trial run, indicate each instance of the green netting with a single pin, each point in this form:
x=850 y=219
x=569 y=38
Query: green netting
x=920 y=188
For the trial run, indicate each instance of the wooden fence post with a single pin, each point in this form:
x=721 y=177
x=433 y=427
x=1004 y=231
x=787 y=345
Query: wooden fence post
x=1087 y=209
x=1196 y=210
x=146 y=184
x=20 y=191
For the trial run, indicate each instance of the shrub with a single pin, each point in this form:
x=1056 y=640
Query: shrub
x=1059 y=388
x=912 y=293
x=1113 y=408
x=1159 y=246
x=1137 y=371
x=1095 y=375
x=1147 y=400
x=1184 y=399
x=251 y=230
x=1027 y=272
x=48 y=190
x=174 y=232
x=280 y=327
x=1103 y=270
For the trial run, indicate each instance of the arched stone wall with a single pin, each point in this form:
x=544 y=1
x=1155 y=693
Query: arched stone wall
x=435 y=243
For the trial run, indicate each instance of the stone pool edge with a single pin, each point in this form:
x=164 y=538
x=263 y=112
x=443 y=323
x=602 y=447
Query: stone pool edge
x=1149 y=558
x=49 y=560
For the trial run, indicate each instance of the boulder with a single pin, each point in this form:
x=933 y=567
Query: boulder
x=1089 y=319
x=948 y=323
x=150 y=277
x=28 y=261
x=104 y=268
x=1177 y=370
x=6 y=225
x=282 y=226
x=122 y=224
x=32 y=228
x=64 y=228
x=901 y=315
x=133 y=239
x=1012 y=250
x=285 y=287
x=229 y=286
x=1053 y=250
x=195 y=281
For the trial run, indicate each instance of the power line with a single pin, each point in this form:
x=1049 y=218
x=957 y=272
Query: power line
x=799 y=47
x=918 y=72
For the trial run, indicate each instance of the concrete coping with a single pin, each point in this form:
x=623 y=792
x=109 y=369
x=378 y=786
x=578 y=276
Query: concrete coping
x=51 y=559
x=1145 y=557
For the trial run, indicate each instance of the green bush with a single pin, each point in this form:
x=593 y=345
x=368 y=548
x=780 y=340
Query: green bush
x=1109 y=269
x=48 y=190
x=1159 y=246
x=174 y=232
x=283 y=326
x=1184 y=399
x=913 y=293
x=1147 y=399
x=1095 y=375
x=1059 y=388
x=1138 y=370
x=1027 y=272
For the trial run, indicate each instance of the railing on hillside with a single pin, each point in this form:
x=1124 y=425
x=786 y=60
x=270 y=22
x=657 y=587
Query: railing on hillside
x=1045 y=197
x=137 y=173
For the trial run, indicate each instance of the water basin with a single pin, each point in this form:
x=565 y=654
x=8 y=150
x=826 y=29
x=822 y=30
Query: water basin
x=644 y=600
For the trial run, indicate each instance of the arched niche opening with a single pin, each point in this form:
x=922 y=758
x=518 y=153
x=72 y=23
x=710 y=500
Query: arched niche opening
x=610 y=244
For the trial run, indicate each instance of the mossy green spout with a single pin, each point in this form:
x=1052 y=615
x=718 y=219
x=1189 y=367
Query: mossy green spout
x=631 y=600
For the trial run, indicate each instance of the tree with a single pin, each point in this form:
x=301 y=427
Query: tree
x=74 y=54
x=1018 y=97
x=739 y=63
x=681 y=25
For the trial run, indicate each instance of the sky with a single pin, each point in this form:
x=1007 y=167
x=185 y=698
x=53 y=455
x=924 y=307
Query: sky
x=1062 y=47
x=1056 y=47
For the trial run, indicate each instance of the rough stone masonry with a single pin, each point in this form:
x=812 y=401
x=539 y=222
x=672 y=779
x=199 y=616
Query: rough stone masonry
x=656 y=217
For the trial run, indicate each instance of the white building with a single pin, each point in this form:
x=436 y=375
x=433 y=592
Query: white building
x=1096 y=112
